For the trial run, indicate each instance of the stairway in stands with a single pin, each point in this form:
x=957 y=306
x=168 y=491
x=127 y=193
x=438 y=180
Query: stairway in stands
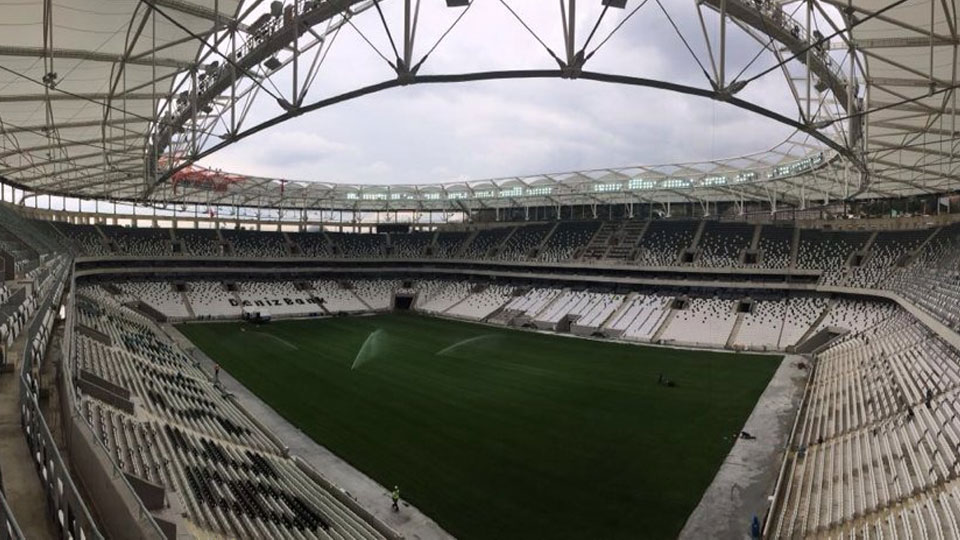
x=794 y=248
x=818 y=321
x=600 y=242
x=543 y=242
x=463 y=246
x=348 y=286
x=695 y=243
x=627 y=240
x=655 y=338
x=495 y=249
x=107 y=242
x=735 y=331
x=186 y=304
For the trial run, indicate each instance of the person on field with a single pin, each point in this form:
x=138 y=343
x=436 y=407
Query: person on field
x=216 y=373
x=395 y=498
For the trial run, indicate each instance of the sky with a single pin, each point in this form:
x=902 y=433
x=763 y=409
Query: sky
x=434 y=133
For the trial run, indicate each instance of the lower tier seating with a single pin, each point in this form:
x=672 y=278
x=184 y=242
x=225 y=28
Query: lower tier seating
x=180 y=432
x=877 y=452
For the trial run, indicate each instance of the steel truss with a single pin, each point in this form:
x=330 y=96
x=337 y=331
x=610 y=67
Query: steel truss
x=869 y=121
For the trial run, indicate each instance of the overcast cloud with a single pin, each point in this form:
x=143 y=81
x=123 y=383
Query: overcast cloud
x=506 y=128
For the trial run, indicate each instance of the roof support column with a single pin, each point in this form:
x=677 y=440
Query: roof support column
x=809 y=53
x=409 y=28
x=295 y=79
x=721 y=82
x=571 y=31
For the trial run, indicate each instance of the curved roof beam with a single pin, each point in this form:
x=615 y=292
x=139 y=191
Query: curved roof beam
x=90 y=56
x=767 y=23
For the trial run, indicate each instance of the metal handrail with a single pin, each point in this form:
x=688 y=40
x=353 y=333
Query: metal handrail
x=77 y=416
x=29 y=404
x=10 y=529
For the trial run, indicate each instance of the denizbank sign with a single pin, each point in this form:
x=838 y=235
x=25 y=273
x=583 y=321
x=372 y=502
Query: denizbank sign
x=271 y=302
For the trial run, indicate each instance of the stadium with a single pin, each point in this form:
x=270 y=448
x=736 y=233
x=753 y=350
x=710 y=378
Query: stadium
x=306 y=269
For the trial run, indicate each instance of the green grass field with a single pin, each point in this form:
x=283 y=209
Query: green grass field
x=497 y=433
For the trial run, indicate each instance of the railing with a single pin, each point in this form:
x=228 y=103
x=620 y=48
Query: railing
x=65 y=503
x=126 y=493
x=9 y=530
x=217 y=75
x=785 y=477
x=791 y=25
x=817 y=45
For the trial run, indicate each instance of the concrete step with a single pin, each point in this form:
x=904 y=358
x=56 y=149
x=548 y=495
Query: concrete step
x=663 y=326
x=735 y=331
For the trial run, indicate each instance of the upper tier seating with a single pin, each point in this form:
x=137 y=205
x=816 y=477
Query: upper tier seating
x=87 y=239
x=312 y=244
x=259 y=244
x=53 y=239
x=882 y=257
x=200 y=242
x=523 y=241
x=828 y=250
x=449 y=243
x=484 y=241
x=625 y=241
x=663 y=242
x=722 y=244
x=931 y=281
x=410 y=245
x=29 y=235
x=139 y=241
x=16 y=241
x=363 y=246
x=567 y=239
x=890 y=246
x=932 y=289
x=775 y=245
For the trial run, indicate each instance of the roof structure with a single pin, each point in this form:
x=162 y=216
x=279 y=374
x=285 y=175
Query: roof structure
x=908 y=54
x=120 y=100
x=80 y=82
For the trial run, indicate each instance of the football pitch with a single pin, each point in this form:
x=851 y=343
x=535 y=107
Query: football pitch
x=498 y=433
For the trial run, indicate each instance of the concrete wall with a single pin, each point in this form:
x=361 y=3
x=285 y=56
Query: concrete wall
x=118 y=511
